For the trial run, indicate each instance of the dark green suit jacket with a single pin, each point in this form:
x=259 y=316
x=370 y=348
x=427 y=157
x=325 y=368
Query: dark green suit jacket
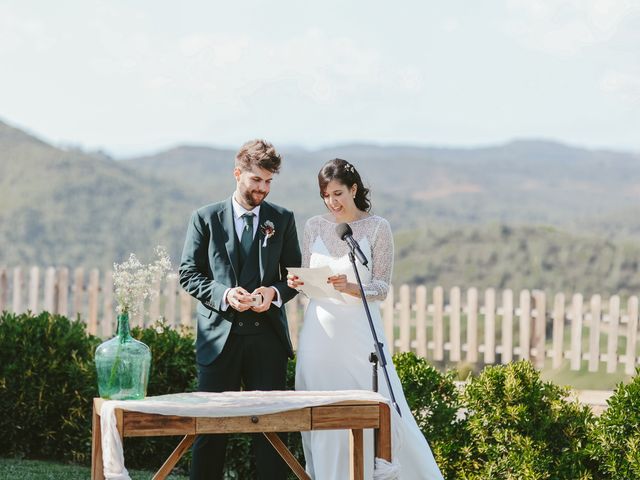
x=209 y=266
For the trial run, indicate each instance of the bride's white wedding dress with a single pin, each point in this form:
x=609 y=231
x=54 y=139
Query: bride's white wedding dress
x=334 y=347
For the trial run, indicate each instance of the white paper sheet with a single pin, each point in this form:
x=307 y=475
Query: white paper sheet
x=315 y=282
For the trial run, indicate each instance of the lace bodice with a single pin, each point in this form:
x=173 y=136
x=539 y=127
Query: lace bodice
x=322 y=246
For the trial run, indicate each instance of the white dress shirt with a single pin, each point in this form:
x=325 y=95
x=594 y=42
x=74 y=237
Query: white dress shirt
x=238 y=212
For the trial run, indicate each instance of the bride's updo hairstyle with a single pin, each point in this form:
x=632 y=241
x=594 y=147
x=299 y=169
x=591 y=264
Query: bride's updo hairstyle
x=343 y=172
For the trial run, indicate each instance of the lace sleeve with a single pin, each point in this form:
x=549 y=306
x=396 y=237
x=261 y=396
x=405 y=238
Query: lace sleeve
x=306 y=244
x=381 y=262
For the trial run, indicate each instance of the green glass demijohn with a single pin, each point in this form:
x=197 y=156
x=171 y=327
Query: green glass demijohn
x=123 y=365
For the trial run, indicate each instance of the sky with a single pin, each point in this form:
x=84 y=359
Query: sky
x=137 y=76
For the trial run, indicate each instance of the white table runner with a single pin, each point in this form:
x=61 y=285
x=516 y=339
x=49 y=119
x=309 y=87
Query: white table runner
x=227 y=404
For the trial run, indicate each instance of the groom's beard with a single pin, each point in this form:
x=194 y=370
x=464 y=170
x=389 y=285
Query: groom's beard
x=254 y=197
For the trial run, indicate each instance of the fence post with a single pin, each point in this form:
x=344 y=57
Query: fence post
x=49 y=289
x=171 y=293
x=107 y=322
x=388 y=308
x=92 y=290
x=472 y=325
x=63 y=292
x=185 y=309
x=632 y=335
x=4 y=289
x=154 y=303
x=490 y=326
x=34 y=284
x=78 y=291
x=136 y=316
x=421 y=321
x=507 y=327
x=525 y=325
x=454 y=325
x=540 y=331
x=594 y=333
x=576 y=332
x=405 y=318
x=612 y=341
x=17 y=290
x=438 y=324
x=558 y=330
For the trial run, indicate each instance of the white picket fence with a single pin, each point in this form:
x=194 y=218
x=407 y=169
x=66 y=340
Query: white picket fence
x=476 y=327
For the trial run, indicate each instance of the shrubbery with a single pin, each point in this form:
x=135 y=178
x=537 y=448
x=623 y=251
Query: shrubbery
x=615 y=439
x=505 y=424
x=523 y=428
x=47 y=381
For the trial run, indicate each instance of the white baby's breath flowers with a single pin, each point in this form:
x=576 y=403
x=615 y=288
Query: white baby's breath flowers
x=134 y=281
x=160 y=325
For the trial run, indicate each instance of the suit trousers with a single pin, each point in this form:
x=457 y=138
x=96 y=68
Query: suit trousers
x=253 y=362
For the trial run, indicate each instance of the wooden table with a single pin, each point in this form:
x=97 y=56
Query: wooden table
x=351 y=415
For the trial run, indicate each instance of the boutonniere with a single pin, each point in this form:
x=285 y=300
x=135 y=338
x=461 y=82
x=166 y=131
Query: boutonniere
x=268 y=229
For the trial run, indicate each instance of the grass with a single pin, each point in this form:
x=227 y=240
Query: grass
x=42 y=470
x=583 y=379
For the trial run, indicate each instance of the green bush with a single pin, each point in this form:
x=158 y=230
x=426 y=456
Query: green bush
x=47 y=382
x=615 y=439
x=173 y=364
x=435 y=402
x=523 y=428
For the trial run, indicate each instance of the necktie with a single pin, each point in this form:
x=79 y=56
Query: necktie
x=247 y=233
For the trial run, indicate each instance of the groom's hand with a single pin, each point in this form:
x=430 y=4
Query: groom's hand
x=267 y=297
x=239 y=299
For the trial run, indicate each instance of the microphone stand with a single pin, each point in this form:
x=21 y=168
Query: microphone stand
x=378 y=354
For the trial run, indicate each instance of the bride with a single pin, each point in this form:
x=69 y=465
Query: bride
x=336 y=340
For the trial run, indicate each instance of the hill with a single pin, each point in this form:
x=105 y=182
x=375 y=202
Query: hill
x=522 y=182
x=66 y=207
x=527 y=214
x=520 y=257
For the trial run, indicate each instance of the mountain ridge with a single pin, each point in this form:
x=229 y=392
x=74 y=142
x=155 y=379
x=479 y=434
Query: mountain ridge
x=68 y=207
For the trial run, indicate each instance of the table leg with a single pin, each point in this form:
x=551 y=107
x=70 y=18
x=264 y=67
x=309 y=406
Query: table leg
x=97 y=471
x=120 y=422
x=383 y=434
x=356 y=450
x=286 y=455
x=170 y=462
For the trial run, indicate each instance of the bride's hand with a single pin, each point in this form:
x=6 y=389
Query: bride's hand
x=294 y=281
x=340 y=283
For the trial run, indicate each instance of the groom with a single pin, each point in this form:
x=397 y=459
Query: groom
x=234 y=262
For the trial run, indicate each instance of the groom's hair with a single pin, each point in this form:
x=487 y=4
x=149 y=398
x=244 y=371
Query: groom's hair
x=258 y=153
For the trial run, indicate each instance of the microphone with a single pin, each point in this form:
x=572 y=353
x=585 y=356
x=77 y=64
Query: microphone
x=345 y=233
